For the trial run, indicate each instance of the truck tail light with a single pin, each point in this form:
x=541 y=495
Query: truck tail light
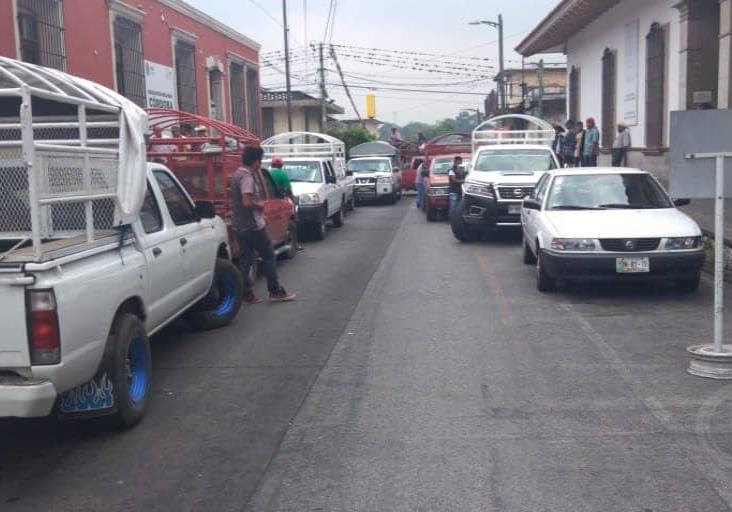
x=43 y=330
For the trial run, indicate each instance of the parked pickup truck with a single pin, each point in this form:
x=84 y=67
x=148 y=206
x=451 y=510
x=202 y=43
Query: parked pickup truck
x=316 y=166
x=98 y=251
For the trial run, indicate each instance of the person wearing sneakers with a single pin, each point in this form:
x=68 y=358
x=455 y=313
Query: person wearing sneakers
x=248 y=220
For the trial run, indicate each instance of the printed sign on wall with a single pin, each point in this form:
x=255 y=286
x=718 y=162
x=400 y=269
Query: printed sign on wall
x=630 y=90
x=160 y=83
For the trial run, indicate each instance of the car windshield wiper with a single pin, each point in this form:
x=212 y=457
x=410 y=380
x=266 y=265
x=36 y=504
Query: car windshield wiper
x=576 y=207
x=638 y=206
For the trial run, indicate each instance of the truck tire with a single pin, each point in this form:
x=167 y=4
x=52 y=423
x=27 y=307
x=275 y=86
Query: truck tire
x=223 y=301
x=320 y=229
x=351 y=204
x=291 y=241
x=544 y=283
x=430 y=213
x=529 y=258
x=460 y=230
x=131 y=368
x=339 y=217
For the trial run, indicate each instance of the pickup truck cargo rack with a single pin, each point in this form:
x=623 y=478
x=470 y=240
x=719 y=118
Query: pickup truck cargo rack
x=306 y=145
x=69 y=160
x=513 y=129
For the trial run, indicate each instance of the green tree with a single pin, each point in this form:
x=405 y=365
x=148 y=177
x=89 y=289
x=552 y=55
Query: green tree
x=352 y=136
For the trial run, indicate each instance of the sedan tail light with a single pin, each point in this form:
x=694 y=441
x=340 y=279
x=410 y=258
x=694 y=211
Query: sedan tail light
x=43 y=329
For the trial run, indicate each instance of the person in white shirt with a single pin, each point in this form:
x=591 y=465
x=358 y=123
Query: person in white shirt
x=621 y=145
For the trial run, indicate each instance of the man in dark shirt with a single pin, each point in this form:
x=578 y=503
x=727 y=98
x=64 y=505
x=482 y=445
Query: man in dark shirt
x=456 y=176
x=247 y=201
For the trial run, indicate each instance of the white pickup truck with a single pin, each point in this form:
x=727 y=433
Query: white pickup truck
x=316 y=166
x=85 y=278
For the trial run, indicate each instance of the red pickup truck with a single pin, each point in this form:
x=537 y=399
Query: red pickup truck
x=439 y=155
x=204 y=163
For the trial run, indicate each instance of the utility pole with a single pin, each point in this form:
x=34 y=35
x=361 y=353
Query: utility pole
x=501 y=70
x=541 y=89
x=287 y=67
x=323 y=92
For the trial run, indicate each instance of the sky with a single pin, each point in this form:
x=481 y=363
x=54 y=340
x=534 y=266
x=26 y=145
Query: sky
x=406 y=29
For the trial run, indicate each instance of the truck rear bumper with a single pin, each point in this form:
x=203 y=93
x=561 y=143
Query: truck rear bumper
x=21 y=398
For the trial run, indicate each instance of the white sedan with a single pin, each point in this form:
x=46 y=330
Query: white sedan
x=608 y=223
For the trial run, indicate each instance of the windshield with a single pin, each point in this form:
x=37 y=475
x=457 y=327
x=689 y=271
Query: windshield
x=303 y=172
x=441 y=167
x=369 y=166
x=607 y=191
x=514 y=160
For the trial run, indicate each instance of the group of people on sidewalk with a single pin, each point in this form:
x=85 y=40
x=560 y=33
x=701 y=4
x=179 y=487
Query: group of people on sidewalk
x=578 y=145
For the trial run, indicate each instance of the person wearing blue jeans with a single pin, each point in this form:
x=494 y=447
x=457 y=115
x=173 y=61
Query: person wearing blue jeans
x=457 y=178
x=419 y=185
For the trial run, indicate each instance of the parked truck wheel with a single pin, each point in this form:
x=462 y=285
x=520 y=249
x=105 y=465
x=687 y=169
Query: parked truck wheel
x=529 y=257
x=460 y=230
x=351 y=205
x=544 y=283
x=320 y=229
x=223 y=301
x=430 y=213
x=291 y=242
x=339 y=217
x=131 y=369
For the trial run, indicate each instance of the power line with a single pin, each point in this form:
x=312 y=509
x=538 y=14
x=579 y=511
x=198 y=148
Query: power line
x=328 y=19
x=266 y=12
x=380 y=88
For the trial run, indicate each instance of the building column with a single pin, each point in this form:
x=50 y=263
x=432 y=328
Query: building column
x=698 y=49
x=725 y=54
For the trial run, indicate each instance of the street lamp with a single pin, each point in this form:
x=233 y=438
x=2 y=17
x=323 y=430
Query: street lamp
x=500 y=79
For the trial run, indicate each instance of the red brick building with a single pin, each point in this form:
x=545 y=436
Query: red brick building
x=161 y=53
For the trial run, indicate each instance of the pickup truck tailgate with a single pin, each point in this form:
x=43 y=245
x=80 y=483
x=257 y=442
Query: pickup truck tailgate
x=14 y=351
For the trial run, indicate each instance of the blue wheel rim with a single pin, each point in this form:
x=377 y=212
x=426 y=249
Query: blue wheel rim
x=138 y=371
x=226 y=286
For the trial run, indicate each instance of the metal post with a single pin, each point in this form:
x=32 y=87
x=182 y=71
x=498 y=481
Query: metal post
x=86 y=175
x=719 y=255
x=29 y=158
x=323 y=92
x=287 y=66
x=541 y=89
x=501 y=70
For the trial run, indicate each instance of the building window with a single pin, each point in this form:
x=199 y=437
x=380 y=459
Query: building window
x=655 y=85
x=129 y=60
x=216 y=94
x=253 y=100
x=41 y=33
x=609 y=95
x=238 y=94
x=574 y=94
x=185 y=75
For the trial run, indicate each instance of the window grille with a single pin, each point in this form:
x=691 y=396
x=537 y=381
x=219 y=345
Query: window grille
x=185 y=73
x=238 y=92
x=129 y=61
x=41 y=33
x=253 y=100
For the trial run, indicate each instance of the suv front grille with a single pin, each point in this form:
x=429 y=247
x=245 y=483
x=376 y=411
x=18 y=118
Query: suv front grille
x=630 y=244
x=518 y=192
x=365 y=181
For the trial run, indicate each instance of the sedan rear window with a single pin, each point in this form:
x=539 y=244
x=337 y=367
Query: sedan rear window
x=607 y=192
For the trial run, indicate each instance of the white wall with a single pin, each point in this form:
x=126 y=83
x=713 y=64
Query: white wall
x=280 y=119
x=585 y=51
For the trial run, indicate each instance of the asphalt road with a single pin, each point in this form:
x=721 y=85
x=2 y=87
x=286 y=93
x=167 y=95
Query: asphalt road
x=413 y=373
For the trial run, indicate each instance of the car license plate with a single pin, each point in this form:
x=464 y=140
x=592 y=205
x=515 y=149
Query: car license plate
x=514 y=209
x=632 y=265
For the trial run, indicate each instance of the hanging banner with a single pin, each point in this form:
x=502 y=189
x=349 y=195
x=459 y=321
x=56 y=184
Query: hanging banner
x=160 y=84
x=630 y=89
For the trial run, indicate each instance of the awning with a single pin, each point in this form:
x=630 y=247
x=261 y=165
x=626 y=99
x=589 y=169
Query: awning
x=562 y=23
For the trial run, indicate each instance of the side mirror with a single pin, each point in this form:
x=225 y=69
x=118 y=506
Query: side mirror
x=349 y=173
x=531 y=204
x=331 y=180
x=682 y=202
x=205 y=210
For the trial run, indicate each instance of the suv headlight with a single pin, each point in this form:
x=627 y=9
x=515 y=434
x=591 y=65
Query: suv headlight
x=573 y=244
x=479 y=189
x=384 y=180
x=684 y=242
x=309 y=199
